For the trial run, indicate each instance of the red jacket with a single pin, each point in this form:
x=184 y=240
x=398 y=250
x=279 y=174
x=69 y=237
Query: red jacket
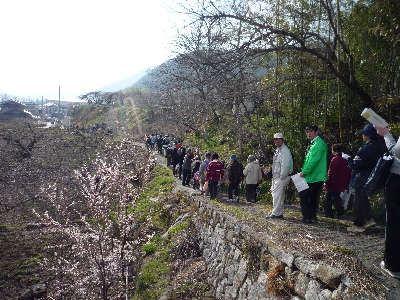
x=215 y=170
x=338 y=175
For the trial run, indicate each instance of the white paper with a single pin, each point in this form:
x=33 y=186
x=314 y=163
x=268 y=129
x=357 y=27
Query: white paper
x=373 y=118
x=345 y=156
x=345 y=196
x=299 y=182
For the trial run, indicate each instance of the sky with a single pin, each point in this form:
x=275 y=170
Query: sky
x=80 y=45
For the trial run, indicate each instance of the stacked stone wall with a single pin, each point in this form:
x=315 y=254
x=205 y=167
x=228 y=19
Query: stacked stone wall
x=244 y=265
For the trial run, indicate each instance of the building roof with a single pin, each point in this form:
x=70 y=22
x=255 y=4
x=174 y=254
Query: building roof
x=13 y=103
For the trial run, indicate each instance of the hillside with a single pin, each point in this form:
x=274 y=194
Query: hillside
x=168 y=256
x=124 y=82
x=326 y=241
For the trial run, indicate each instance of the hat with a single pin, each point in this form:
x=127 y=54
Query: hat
x=278 y=136
x=233 y=157
x=251 y=158
x=370 y=131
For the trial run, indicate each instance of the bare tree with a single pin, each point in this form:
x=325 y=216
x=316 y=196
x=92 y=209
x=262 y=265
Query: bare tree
x=310 y=28
x=98 y=97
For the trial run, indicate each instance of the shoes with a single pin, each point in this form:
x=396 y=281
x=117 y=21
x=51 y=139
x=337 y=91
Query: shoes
x=272 y=216
x=249 y=202
x=340 y=214
x=307 y=221
x=370 y=223
x=230 y=200
x=391 y=273
x=356 y=229
x=237 y=198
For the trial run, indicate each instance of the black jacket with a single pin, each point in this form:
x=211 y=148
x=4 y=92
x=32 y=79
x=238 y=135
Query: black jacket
x=364 y=162
x=235 y=172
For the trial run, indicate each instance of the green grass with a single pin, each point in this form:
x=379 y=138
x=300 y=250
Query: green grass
x=341 y=249
x=178 y=228
x=152 y=280
x=161 y=183
x=154 y=275
x=149 y=248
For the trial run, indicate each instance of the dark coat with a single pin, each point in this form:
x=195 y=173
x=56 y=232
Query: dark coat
x=364 y=162
x=235 y=172
x=187 y=163
x=175 y=157
x=338 y=175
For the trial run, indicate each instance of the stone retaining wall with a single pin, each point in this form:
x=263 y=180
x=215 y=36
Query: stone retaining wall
x=242 y=265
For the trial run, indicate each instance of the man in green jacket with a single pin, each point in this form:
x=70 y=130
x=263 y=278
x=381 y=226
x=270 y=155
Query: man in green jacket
x=314 y=171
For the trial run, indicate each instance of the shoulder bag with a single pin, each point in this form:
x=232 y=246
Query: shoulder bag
x=379 y=175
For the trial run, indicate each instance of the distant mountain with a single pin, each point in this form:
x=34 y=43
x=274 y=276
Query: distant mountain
x=123 y=83
x=156 y=75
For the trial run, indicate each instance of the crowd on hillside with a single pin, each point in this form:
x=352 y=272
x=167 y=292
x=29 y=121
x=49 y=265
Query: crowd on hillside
x=338 y=178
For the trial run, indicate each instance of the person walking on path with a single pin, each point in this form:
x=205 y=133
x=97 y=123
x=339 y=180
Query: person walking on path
x=314 y=171
x=338 y=181
x=221 y=183
x=282 y=166
x=195 y=174
x=235 y=176
x=203 y=169
x=362 y=166
x=253 y=175
x=175 y=158
x=391 y=258
x=215 y=172
x=182 y=154
x=186 y=169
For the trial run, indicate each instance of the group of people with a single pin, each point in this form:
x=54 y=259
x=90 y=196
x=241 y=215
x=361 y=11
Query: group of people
x=157 y=142
x=343 y=173
x=215 y=173
x=340 y=174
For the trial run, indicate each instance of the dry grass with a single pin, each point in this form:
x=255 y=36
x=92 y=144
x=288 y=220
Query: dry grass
x=277 y=284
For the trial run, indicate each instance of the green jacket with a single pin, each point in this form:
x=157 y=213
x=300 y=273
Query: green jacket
x=315 y=167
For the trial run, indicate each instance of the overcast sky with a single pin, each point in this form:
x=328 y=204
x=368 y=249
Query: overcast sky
x=80 y=45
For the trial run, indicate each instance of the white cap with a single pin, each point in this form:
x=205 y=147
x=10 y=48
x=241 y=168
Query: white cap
x=278 y=136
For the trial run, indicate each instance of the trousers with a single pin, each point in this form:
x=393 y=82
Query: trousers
x=361 y=209
x=233 y=188
x=278 y=191
x=392 y=226
x=213 y=186
x=309 y=200
x=333 y=198
x=251 y=192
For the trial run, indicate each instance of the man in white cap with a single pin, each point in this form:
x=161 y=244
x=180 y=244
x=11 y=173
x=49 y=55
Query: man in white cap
x=282 y=166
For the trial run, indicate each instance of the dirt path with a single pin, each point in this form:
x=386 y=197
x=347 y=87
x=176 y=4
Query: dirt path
x=366 y=248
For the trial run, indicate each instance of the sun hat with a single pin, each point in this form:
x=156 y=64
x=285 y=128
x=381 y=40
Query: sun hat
x=251 y=158
x=370 y=131
x=278 y=136
x=233 y=157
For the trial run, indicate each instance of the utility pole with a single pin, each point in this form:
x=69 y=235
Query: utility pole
x=59 y=101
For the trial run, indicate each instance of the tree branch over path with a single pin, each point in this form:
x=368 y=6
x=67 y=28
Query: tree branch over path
x=262 y=35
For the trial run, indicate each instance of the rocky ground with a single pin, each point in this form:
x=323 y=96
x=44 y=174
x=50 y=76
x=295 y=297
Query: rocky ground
x=365 y=248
